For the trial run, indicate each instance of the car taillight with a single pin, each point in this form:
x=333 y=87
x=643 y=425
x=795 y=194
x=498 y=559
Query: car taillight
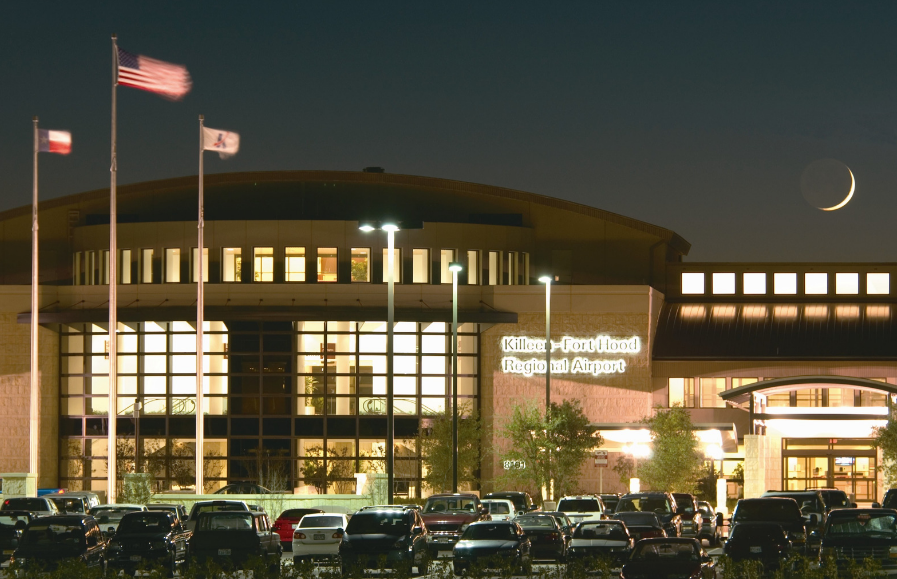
x=553 y=536
x=299 y=535
x=337 y=535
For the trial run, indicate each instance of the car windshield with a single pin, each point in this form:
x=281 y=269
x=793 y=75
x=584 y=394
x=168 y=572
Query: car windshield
x=519 y=501
x=104 y=516
x=610 y=502
x=638 y=519
x=25 y=504
x=54 y=535
x=609 y=531
x=836 y=499
x=749 y=532
x=14 y=520
x=706 y=510
x=225 y=522
x=297 y=513
x=659 y=505
x=771 y=510
x=535 y=521
x=808 y=503
x=499 y=509
x=69 y=505
x=449 y=504
x=863 y=524
x=647 y=551
x=394 y=523
x=329 y=521
x=579 y=506
x=145 y=523
x=199 y=509
x=489 y=532
x=685 y=502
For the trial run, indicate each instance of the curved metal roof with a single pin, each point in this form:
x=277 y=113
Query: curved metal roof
x=741 y=395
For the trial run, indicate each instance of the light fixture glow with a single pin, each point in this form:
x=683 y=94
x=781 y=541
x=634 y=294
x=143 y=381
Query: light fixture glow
x=455 y=266
x=389 y=227
x=545 y=279
x=366 y=227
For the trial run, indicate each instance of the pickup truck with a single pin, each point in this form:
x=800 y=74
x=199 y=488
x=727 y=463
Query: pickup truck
x=230 y=538
x=447 y=516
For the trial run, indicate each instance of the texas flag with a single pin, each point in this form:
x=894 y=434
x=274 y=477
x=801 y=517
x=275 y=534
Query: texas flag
x=54 y=141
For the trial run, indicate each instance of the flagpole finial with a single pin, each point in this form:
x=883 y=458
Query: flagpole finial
x=201 y=117
x=34 y=118
x=114 y=36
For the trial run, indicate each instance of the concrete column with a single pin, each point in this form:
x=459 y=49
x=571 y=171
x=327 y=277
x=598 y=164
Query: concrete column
x=762 y=464
x=19 y=484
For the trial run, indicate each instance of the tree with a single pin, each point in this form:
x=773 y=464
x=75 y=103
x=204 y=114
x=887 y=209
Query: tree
x=436 y=449
x=884 y=438
x=548 y=448
x=675 y=464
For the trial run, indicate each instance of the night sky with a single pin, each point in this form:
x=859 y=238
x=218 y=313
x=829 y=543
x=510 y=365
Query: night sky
x=695 y=117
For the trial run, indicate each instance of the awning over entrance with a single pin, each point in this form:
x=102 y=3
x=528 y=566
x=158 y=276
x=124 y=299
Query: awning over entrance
x=620 y=437
x=742 y=394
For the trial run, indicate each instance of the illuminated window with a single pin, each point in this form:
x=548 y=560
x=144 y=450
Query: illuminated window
x=494 y=268
x=232 y=264
x=446 y=256
x=816 y=311
x=104 y=264
x=294 y=264
x=724 y=283
x=809 y=397
x=754 y=312
x=754 y=283
x=784 y=283
x=512 y=268
x=78 y=277
x=125 y=266
x=878 y=283
x=397 y=265
x=785 y=313
x=327 y=264
x=878 y=311
x=693 y=312
x=723 y=312
x=711 y=388
x=847 y=283
x=473 y=267
x=194 y=269
x=172 y=265
x=739 y=382
x=420 y=266
x=263 y=264
x=682 y=392
x=815 y=283
x=525 y=268
x=780 y=400
x=847 y=312
x=692 y=283
x=873 y=399
x=146 y=266
x=361 y=264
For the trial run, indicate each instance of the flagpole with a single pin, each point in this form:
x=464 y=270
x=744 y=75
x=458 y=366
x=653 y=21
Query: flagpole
x=34 y=425
x=200 y=304
x=112 y=475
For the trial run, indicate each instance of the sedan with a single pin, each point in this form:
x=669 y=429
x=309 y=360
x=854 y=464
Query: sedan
x=148 y=537
x=546 y=536
x=496 y=544
x=600 y=540
x=289 y=520
x=671 y=557
x=318 y=537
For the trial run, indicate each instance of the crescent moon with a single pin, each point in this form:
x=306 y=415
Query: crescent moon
x=853 y=186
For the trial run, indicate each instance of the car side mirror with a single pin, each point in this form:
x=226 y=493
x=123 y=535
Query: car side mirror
x=874 y=505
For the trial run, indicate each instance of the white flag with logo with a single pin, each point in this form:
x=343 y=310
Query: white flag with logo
x=225 y=143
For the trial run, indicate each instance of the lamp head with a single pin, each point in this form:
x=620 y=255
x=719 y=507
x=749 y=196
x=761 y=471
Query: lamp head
x=366 y=227
x=389 y=227
x=455 y=266
x=546 y=279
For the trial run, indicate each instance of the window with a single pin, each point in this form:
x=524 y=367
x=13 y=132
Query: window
x=146 y=266
x=754 y=283
x=692 y=283
x=525 y=268
x=125 y=266
x=847 y=283
x=682 y=392
x=194 y=269
x=815 y=283
x=397 y=265
x=91 y=263
x=754 y=312
x=739 y=382
x=294 y=259
x=494 y=268
x=446 y=256
x=263 y=264
x=327 y=265
x=724 y=283
x=104 y=265
x=172 y=265
x=878 y=311
x=785 y=283
x=232 y=264
x=420 y=266
x=78 y=276
x=711 y=388
x=878 y=283
x=361 y=264
x=512 y=268
x=473 y=267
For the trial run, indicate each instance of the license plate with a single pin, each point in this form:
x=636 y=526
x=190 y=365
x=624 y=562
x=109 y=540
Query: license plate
x=756 y=549
x=319 y=536
x=10 y=552
x=136 y=558
x=224 y=551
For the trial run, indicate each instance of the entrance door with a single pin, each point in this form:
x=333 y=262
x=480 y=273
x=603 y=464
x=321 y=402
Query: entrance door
x=848 y=465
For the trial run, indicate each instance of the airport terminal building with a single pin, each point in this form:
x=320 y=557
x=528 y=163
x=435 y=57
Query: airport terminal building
x=784 y=366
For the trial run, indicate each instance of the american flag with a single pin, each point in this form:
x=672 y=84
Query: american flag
x=171 y=81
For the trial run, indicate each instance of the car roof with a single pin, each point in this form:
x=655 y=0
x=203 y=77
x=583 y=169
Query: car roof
x=685 y=540
x=71 y=518
x=766 y=498
x=452 y=495
x=836 y=513
x=505 y=522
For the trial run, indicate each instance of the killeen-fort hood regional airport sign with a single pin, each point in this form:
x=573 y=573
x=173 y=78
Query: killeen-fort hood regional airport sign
x=581 y=364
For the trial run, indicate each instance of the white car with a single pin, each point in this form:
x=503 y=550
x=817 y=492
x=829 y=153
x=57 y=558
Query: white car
x=108 y=516
x=500 y=509
x=318 y=535
x=582 y=508
x=37 y=506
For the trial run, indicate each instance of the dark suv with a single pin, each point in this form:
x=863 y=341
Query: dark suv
x=390 y=537
x=812 y=507
x=692 y=521
x=660 y=503
x=782 y=511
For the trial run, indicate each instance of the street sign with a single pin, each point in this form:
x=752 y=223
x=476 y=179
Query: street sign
x=600 y=458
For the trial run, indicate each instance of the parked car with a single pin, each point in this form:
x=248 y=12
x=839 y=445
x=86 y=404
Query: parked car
x=687 y=507
x=660 y=503
x=812 y=507
x=582 y=507
x=546 y=535
x=610 y=503
x=782 y=511
x=69 y=504
x=448 y=515
x=493 y=544
x=148 y=537
x=391 y=537
x=12 y=527
x=287 y=521
x=37 y=506
x=593 y=540
x=318 y=536
x=889 y=502
x=47 y=541
x=642 y=525
x=523 y=502
x=230 y=538
x=671 y=557
x=764 y=542
x=835 y=499
x=180 y=511
x=711 y=524
x=567 y=524
x=109 y=516
x=500 y=509
x=243 y=488
x=854 y=535
x=90 y=498
x=200 y=507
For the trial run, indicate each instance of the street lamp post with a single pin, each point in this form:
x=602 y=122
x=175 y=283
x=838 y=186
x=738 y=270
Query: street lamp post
x=455 y=267
x=546 y=279
x=390 y=229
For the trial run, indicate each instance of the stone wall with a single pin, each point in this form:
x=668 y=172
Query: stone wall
x=762 y=464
